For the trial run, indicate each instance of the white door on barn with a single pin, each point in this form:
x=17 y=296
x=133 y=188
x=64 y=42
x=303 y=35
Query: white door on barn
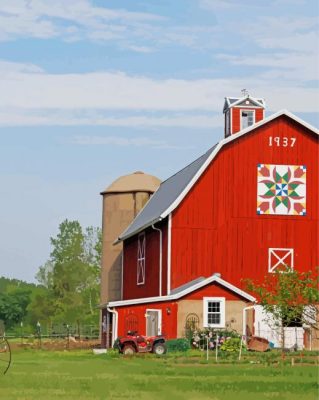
x=153 y=322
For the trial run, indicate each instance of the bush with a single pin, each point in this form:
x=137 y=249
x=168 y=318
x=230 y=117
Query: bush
x=231 y=344
x=178 y=344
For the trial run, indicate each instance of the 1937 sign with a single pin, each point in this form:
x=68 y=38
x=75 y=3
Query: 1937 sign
x=281 y=141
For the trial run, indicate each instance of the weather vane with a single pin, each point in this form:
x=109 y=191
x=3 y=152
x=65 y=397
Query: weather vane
x=244 y=92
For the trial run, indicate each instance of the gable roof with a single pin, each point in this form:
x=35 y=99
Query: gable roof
x=172 y=191
x=167 y=193
x=235 y=101
x=183 y=291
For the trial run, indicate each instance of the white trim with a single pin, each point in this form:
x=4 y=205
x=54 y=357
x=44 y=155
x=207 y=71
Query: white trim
x=114 y=324
x=122 y=267
x=240 y=116
x=226 y=141
x=169 y=253
x=231 y=122
x=159 y=313
x=245 y=321
x=139 y=249
x=222 y=312
x=272 y=251
x=247 y=97
x=160 y=259
x=213 y=278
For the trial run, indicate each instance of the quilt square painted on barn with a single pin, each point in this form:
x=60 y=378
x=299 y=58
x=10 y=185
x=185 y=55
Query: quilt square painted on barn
x=281 y=189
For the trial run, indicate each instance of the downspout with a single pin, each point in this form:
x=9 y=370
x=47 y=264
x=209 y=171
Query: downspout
x=160 y=259
x=169 y=252
x=114 y=324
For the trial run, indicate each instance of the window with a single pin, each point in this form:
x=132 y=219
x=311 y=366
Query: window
x=280 y=259
x=214 y=312
x=141 y=259
x=227 y=123
x=247 y=119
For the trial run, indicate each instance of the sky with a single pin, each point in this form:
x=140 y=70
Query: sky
x=95 y=89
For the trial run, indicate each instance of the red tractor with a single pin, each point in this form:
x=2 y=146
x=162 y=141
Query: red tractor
x=134 y=343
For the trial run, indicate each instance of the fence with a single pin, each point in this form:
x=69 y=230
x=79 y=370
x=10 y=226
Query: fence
x=55 y=336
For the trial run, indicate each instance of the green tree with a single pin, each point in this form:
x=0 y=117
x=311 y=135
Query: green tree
x=288 y=297
x=13 y=306
x=72 y=275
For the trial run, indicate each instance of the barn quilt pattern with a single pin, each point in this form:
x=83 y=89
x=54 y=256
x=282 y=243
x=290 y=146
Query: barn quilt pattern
x=281 y=189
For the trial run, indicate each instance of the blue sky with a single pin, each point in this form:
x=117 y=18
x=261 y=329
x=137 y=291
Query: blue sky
x=91 y=90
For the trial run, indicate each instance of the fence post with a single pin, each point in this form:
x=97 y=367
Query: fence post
x=39 y=334
x=216 y=355
x=241 y=347
x=68 y=336
x=21 y=325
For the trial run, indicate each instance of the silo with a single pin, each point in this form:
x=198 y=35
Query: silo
x=122 y=200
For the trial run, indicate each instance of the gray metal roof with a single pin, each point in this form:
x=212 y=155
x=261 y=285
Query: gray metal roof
x=229 y=101
x=165 y=195
x=187 y=285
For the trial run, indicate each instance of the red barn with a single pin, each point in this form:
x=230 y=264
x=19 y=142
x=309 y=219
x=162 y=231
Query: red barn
x=244 y=208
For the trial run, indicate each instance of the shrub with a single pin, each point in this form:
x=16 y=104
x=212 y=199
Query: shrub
x=231 y=344
x=178 y=344
x=200 y=337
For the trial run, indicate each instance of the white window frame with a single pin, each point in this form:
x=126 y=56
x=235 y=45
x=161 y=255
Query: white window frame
x=222 y=302
x=227 y=123
x=141 y=257
x=281 y=260
x=159 y=313
x=241 y=114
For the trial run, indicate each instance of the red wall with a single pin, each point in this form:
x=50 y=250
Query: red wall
x=259 y=115
x=151 y=287
x=169 y=318
x=216 y=227
x=213 y=290
x=169 y=310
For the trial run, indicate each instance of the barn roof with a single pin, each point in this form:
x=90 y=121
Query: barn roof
x=184 y=290
x=167 y=193
x=172 y=191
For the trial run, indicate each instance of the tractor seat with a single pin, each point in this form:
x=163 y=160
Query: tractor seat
x=140 y=339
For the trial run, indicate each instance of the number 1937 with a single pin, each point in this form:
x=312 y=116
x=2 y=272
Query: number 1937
x=282 y=141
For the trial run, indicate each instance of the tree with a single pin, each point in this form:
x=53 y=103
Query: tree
x=13 y=306
x=288 y=297
x=72 y=274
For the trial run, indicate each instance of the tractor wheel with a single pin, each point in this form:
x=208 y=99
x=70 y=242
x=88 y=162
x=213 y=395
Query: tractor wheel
x=128 y=350
x=159 y=348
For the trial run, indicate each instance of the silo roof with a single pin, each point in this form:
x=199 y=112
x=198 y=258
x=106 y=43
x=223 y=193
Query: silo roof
x=136 y=182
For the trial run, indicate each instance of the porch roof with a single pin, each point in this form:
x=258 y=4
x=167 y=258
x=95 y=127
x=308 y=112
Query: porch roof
x=183 y=291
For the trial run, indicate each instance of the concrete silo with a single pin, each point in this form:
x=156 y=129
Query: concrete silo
x=122 y=200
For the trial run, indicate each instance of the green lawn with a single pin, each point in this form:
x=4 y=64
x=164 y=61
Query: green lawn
x=81 y=375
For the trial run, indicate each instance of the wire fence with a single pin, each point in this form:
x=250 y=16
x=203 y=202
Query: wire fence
x=55 y=337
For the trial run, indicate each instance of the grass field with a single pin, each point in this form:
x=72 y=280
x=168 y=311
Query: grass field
x=81 y=375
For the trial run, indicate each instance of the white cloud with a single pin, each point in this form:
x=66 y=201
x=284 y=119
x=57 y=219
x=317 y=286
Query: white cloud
x=123 y=142
x=287 y=66
x=67 y=19
x=34 y=97
x=75 y=20
x=213 y=5
x=98 y=117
